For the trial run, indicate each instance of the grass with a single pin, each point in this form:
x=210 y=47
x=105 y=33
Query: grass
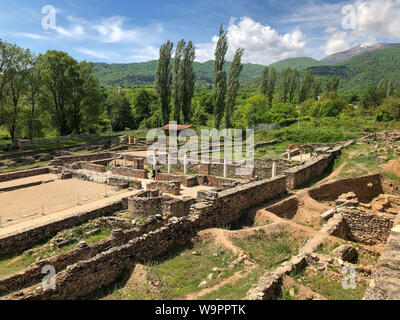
x=328 y=287
x=236 y=290
x=180 y=273
x=270 y=251
x=18 y=262
x=22 y=167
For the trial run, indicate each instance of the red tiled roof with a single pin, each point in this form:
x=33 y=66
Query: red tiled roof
x=178 y=127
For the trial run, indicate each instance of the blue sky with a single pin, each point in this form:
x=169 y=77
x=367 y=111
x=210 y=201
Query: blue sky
x=132 y=31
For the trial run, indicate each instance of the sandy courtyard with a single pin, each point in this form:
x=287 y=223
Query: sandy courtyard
x=27 y=203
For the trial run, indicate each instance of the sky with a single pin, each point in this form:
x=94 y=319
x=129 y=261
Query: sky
x=123 y=31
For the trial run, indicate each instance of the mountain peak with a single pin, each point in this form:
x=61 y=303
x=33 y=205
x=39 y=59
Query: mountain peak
x=355 y=51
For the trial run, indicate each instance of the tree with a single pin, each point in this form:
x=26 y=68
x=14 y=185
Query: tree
x=332 y=84
x=293 y=80
x=252 y=112
x=87 y=99
x=120 y=112
x=264 y=81
x=20 y=63
x=60 y=73
x=164 y=81
x=177 y=63
x=143 y=103
x=220 y=77
x=233 y=85
x=187 y=81
x=34 y=83
x=281 y=111
x=284 y=84
x=305 y=87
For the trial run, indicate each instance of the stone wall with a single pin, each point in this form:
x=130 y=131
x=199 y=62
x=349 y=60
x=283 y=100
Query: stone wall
x=301 y=174
x=60 y=161
x=18 y=242
x=129 y=172
x=367 y=228
x=23 y=174
x=386 y=279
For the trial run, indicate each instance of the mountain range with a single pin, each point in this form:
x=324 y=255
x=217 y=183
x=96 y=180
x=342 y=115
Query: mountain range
x=358 y=67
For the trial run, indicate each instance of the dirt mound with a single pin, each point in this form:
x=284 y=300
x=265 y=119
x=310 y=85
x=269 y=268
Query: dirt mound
x=393 y=166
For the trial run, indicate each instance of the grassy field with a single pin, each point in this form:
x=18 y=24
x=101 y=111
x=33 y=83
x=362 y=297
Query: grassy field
x=179 y=273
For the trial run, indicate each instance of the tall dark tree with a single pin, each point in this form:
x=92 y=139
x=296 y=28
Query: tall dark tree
x=284 y=84
x=264 y=81
x=176 y=79
x=305 y=87
x=187 y=81
x=220 y=77
x=163 y=82
x=294 y=78
x=233 y=85
x=316 y=89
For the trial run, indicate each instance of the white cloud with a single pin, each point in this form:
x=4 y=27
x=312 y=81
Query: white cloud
x=262 y=44
x=330 y=29
x=31 y=36
x=111 y=30
x=379 y=18
x=373 y=19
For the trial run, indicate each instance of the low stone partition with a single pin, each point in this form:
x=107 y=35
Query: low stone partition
x=23 y=174
x=170 y=187
x=218 y=182
x=133 y=183
x=129 y=172
x=366 y=188
x=137 y=163
x=386 y=279
x=20 y=241
x=87 y=166
x=62 y=161
x=187 y=181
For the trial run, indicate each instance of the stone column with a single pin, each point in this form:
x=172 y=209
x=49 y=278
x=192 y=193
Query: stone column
x=273 y=168
x=289 y=155
x=169 y=162
x=225 y=169
x=125 y=162
x=185 y=164
x=154 y=159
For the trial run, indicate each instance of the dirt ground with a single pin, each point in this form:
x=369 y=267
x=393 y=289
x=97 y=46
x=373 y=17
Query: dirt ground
x=22 y=204
x=18 y=182
x=393 y=166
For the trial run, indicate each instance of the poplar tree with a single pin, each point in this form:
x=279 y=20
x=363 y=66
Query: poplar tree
x=233 y=85
x=177 y=63
x=220 y=77
x=163 y=82
x=187 y=79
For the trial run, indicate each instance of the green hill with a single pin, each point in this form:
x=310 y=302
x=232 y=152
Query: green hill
x=144 y=73
x=296 y=63
x=364 y=70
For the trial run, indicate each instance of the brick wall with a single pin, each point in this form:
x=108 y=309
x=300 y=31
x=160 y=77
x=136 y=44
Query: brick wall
x=129 y=172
